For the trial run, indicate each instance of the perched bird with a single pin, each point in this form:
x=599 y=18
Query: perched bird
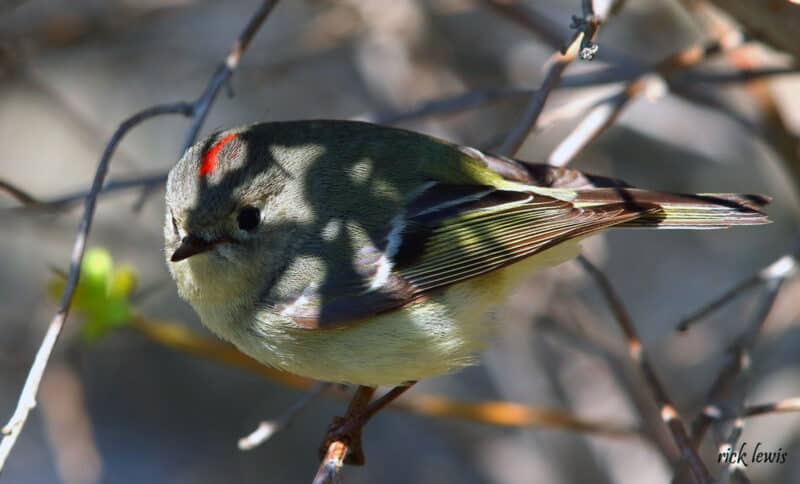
x=351 y=252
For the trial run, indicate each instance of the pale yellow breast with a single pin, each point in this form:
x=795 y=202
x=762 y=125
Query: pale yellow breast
x=428 y=338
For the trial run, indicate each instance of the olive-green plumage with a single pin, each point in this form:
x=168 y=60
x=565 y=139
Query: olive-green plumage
x=375 y=253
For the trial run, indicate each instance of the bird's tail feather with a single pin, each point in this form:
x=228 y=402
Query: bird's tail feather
x=676 y=211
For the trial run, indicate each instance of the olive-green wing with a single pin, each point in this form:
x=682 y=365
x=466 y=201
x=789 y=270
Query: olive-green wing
x=451 y=233
x=448 y=245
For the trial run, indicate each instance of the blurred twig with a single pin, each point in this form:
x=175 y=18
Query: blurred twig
x=717 y=399
x=202 y=105
x=198 y=111
x=782 y=268
x=668 y=413
x=774 y=22
x=558 y=62
x=457 y=103
x=782 y=406
x=503 y=414
x=19 y=194
x=602 y=113
x=331 y=464
x=27 y=399
x=267 y=428
x=551 y=32
x=606 y=111
x=581 y=43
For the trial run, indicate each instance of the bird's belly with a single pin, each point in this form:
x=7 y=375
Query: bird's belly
x=437 y=335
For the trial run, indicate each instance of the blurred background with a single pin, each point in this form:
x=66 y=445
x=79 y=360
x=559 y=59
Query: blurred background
x=125 y=409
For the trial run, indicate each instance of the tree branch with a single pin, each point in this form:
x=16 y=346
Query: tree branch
x=668 y=412
x=198 y=110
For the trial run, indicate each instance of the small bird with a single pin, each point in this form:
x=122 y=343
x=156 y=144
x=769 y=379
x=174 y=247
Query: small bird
x=358 y=253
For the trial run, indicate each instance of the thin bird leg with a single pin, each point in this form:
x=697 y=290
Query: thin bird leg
x=345 y=432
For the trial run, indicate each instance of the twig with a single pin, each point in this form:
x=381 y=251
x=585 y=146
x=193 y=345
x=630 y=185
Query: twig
x=581 y=44
x=198 y=110
x=741 y=75
x=65 y=202
x=668 y=413
x=18 y=194
x=545 y=28
x=179 y=338
x=606 y=112
x=336 y=453
x=783 y=267
x=504 y=414
x=549 y=31
x=331 y=465
x=597 y=121
x=733 y=438
x=712 y=411
x=267 y=428
x=508 y=414
x=27 y=399
x=457 y=103
x=588 y=24
x=202 y=105
x=558 y=63
x=603 y=113
x=783 y=406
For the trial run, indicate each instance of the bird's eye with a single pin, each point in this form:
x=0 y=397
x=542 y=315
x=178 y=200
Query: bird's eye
x=174 y=224
x=248 y=218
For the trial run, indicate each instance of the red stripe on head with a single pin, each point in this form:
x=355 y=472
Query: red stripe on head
x=209 y=162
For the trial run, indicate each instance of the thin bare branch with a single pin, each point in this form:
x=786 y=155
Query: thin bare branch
x=27 y=399
x=267 y=428
x=329 y=471
x=782 y=268
x=18 y=194
x=558 y=63
x=740 y=349
x=220 y=79
x=606 y=112
x=783 y=406
x=457 y=103
x=668 y=413
x=202 y=105
x=582 y=45
x=198 y=110
x=504 y=414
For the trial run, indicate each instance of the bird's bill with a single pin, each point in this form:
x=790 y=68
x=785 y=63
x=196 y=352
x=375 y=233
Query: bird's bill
x=191 y=245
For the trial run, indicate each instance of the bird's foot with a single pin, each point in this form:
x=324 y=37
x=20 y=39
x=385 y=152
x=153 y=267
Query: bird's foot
x=346 y=432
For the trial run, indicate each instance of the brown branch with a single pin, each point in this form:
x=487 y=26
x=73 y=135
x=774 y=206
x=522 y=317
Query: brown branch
x=549 y=30
x=544 y=28
x=601 y=115
x=198 y=111
x=668 y=413
x=27 y=399
x=331 y=465
x=740 y=350
x=558 y=63
x=267 y=428
x=19 y=194
x=337 y=450
x=607 y=111
x=782 y=406
x=510 y=147
x=503 y=414
x=782 y=268
x=202 y=105
x=582 y=44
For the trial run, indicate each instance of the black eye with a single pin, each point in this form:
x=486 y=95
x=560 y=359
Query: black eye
x=174 y=224
x=248 y=218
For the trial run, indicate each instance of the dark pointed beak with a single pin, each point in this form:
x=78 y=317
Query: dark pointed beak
x=191 y=245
